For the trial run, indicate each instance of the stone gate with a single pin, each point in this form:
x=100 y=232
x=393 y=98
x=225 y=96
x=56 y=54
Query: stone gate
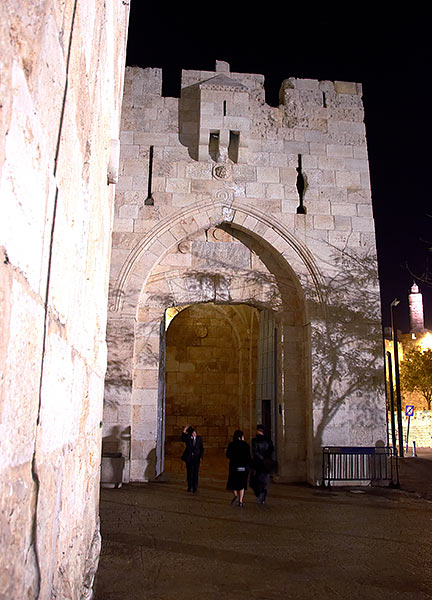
x=225 y=201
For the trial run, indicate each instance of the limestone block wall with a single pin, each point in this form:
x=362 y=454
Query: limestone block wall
x=407 y=342
x=298 y=192
x=62 y=66
x=420 y=428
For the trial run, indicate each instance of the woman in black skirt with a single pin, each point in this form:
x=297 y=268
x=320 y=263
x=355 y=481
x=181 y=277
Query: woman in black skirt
x=239 y=455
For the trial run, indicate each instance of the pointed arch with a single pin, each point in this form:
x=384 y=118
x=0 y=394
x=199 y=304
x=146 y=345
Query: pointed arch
x=133 y=275
x=147 y=284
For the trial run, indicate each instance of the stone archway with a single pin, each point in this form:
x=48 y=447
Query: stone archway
x=133 y=270
x=210 y=374
x=218 y=254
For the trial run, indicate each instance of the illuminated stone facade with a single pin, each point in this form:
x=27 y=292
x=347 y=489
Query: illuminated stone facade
x=420 y=428
x=223 y=200
x=62 y=68
x=419 y=338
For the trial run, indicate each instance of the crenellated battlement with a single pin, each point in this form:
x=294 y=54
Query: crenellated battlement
x=148 y=81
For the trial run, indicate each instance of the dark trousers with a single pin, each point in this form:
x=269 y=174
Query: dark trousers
x=192 y=468
x=259 y=481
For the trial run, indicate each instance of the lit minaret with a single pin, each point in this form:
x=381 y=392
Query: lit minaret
x=416 y=317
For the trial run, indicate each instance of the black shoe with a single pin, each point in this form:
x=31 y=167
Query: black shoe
x=234 y=500
x=241 y=504
x=189 y=490
x=194 y=490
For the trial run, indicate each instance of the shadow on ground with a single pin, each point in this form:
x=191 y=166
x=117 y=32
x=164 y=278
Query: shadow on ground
x=159 y=542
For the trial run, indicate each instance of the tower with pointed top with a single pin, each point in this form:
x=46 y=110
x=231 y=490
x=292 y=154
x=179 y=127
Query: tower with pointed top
x=416 y=315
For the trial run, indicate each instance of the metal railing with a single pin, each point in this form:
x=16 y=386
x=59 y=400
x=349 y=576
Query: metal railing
x=374 y=464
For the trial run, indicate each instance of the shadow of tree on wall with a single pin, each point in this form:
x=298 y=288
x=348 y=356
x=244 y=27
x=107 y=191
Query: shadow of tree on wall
x=347 y=352
x=118 y=378
x=347 y=359
x=234 y=286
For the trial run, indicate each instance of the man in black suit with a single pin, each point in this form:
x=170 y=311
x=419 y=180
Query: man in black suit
x=192 y=456
x=263 y=463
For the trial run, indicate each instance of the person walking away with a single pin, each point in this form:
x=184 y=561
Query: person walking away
x=239 y=455
x=262 y=463
x=192 y=456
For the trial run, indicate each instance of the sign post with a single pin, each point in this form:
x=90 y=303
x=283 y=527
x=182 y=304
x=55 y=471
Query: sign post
x=409 y=412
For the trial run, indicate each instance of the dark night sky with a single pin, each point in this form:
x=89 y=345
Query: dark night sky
x=389 y=54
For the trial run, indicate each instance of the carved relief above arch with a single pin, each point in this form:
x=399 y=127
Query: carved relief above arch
x=185 y=287
x=204 y=216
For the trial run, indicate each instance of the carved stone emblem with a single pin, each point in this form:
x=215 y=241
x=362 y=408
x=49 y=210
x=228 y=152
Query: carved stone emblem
x=221 y=172
x=184 y=247
x=201 y=330
x=223 y=195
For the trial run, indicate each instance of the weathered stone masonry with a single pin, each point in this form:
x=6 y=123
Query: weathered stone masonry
x=62 y=68
x=223 y=199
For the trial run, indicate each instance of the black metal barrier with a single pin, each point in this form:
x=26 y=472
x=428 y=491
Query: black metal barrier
x=377 y=464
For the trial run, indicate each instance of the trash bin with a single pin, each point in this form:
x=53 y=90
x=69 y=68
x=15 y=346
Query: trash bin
x=112 y=469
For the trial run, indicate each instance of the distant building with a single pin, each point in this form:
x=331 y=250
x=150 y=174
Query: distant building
x=416 y=314
x=417 y=337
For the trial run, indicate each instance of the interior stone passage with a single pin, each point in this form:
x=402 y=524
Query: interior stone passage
x=211 y=358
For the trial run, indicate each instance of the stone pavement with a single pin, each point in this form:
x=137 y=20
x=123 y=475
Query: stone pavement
x=416 y=473
x=161 y=543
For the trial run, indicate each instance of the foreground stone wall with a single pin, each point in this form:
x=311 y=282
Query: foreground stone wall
x=291 y=184
x=62 y=67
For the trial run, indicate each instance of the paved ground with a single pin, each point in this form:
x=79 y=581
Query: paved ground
x=416 y=473
x=161 y=543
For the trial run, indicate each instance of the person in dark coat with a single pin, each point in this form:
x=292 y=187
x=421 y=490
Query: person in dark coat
x=239 y=455
x=262 y=463
x=192 y=456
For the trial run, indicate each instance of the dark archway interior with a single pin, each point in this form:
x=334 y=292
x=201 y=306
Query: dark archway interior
x=211 y=361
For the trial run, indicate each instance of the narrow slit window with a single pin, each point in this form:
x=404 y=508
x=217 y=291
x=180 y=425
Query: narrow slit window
x=149 y=200
x=224 y=108
x=301 y=186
